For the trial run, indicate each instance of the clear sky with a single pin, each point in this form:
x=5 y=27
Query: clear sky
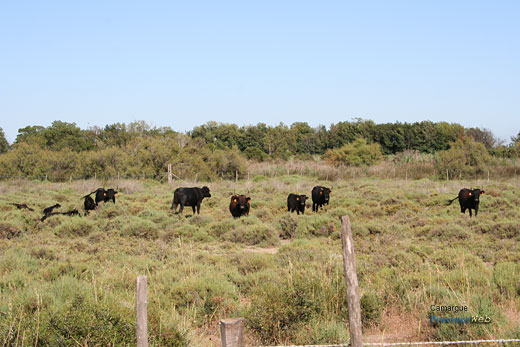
x=183 y=63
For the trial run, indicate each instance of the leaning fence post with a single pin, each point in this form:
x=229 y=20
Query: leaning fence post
x=142 y=316
x=232 y=332
x=351 y=280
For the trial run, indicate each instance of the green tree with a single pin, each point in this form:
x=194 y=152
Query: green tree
x=277 y=141
x=61 y=135
x=484 y=136
x=252 y=136
x=391 y=137
x=4 y=145
x=31 y=134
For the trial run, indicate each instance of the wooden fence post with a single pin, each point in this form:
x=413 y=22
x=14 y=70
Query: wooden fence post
x=232 y=332
x=351 y=280
x=169 y=173
x=142 y=312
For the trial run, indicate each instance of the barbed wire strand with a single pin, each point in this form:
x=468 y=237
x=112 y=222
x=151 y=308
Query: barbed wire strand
x=410 y=343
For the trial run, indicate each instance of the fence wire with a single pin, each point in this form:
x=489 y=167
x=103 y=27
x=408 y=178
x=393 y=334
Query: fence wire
x=473 y=342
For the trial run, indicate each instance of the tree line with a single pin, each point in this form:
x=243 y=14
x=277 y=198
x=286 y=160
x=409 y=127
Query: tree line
x=214 y=150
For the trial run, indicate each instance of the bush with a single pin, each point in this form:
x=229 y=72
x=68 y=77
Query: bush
x=357 y=153
x=465 y=158
x=282 y=307
x=321 y=331
x=138 y=227
x=288 y=226
x=8 y=231
x=256 y=234
x=75 y=226
x=506 y=277
x=371 y=309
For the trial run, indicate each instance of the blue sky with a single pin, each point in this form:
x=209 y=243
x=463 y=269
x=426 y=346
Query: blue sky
x=181 y=64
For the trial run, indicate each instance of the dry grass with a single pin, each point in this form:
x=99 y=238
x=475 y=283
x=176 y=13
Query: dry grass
x=412 y=251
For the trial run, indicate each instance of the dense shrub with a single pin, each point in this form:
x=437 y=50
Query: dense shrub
x=357 y=153
x=75 y=226
x=8 y=231
x=465 y=157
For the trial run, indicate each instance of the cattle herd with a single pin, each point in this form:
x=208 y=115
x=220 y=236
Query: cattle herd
x=102 y=195
x=239 y=204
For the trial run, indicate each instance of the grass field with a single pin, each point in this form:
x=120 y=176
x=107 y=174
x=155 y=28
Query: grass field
x=71 y=280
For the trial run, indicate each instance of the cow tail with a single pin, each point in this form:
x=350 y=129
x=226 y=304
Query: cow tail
x=452 y=200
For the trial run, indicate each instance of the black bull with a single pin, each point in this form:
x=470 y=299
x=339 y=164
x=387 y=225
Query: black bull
x=189 y=197
x=468 y=199
x=320 y=197
x=239 y=206
x=296 y=203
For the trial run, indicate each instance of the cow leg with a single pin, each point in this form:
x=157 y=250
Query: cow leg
x=476 y=211
x=193 y=208
x=469 y=209
x=198 y=208
x=181 y=208
x=298 y=212
x=313 y=207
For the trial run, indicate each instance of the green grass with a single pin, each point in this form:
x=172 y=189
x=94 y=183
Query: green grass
x=71 y=280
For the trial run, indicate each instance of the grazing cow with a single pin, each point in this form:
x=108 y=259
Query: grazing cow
x=89 y=203
x=296 y=203
x=49 y=209
x=21 y=206
x=468 y=199
x=101 y=194
x=239 y=206
x=71 y=213
x=189 y=197
x=110 y=194
x=320 y=197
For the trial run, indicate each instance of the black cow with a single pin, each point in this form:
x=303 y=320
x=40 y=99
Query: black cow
x=49 y=209
x=320 y=197
x=468 y=199
x=71 y=213
x=189 y=197
x=110 y=194
x=101 y=194
x=89 y=203
x=21 y=206
x=296 y=203
x=239 y=206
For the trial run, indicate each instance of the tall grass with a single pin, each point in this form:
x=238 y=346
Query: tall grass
x=71 y=280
